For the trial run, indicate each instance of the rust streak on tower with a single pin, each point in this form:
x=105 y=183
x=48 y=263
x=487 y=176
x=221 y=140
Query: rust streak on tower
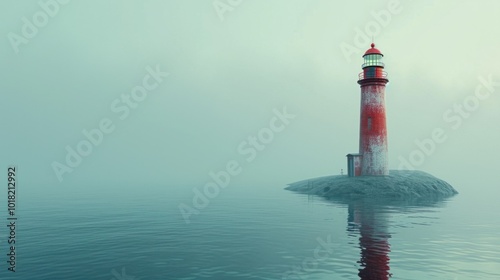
x=372 y=158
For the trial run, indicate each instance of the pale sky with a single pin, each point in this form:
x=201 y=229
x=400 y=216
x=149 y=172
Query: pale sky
x=228 y=70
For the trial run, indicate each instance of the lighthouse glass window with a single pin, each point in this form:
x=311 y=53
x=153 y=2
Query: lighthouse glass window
x=373 y=60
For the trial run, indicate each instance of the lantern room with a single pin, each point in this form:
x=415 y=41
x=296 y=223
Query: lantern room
x=373 y=64
x=373 y=57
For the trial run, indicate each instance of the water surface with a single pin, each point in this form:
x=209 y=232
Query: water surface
x=252 y=232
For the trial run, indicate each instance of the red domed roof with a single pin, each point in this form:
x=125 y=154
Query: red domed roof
x=373 y=50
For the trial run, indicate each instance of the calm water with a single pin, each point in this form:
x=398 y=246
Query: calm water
x=245 y=234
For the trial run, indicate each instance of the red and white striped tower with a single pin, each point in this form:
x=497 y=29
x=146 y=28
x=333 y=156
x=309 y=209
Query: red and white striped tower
x=373 y=130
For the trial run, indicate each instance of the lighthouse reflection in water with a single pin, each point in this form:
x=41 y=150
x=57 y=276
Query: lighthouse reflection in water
x=365 y=221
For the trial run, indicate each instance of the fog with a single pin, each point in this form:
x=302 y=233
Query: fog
x=230 y=68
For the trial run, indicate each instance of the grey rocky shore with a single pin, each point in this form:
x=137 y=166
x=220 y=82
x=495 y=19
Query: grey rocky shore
x=407 y=185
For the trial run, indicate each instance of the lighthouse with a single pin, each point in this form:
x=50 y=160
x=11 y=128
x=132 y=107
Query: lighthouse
x=372 y=159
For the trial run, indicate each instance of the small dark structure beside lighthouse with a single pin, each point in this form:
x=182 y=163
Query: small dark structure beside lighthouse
x=368 y=173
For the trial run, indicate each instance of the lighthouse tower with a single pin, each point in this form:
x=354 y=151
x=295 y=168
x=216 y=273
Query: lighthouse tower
x=372 y=158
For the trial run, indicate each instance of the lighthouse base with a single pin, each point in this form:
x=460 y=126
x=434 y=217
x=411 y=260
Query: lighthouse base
x=408 y=185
